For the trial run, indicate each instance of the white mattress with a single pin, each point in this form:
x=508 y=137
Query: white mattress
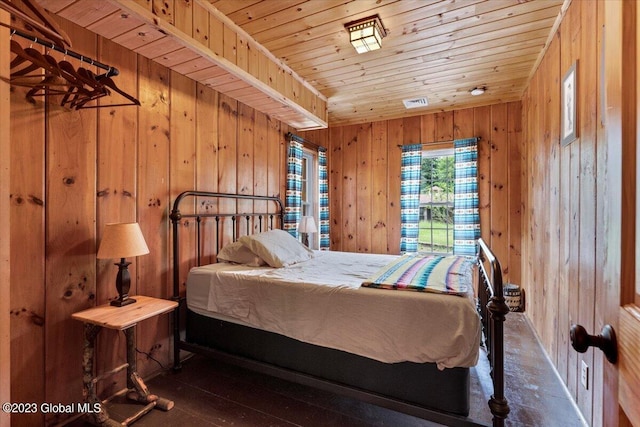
x=321 y=302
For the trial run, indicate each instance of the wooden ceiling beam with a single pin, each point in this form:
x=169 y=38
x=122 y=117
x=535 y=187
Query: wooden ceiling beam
x=213 y=51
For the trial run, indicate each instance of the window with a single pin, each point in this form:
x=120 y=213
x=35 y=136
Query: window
x=436 y=201
x=310 y=190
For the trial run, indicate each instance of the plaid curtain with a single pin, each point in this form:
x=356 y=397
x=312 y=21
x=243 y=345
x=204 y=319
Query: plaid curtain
x=323 y=192
x=466 y=216
x=410 y=197
x=293 y=199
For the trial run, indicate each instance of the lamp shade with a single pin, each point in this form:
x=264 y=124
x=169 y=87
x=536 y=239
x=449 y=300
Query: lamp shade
x=122 y=240
x=307 y=225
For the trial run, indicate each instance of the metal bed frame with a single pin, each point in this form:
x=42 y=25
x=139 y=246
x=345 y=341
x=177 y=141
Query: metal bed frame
x=491 y=307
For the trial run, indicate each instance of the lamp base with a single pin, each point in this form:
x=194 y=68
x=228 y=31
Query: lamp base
x=122 y=301
x=123 y=283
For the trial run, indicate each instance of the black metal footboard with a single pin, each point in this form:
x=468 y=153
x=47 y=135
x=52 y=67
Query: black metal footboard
x=493 y=309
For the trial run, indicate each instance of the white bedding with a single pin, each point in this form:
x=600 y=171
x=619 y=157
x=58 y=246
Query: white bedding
x=320 y=301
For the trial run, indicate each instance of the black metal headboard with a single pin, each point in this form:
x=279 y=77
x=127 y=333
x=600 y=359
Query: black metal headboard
x=249 y=222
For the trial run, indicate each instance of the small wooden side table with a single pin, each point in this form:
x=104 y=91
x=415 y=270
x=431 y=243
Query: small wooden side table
x=124 y=319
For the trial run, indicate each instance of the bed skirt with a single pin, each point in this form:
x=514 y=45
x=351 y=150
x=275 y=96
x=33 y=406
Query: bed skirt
x=421 y=384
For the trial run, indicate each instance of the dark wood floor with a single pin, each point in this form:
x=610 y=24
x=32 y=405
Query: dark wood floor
x=210 y=393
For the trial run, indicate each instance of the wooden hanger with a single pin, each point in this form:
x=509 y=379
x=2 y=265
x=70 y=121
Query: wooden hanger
x=51 y=82
x=83 y=88
x=18 y=59
x=40 y=59
x=48 y=86
x=108 y=83
x=50 y=24
x=29 y=56
x=31 y=17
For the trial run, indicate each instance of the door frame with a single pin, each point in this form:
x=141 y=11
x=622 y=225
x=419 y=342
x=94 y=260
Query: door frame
x=620 y=115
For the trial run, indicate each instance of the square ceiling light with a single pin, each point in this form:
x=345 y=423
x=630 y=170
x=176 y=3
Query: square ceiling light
x=366 y=34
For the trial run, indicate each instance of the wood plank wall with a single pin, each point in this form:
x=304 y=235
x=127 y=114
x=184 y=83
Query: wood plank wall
x=5 y=222
x=364 y=177
x=563 y=220
x=28 y=242
x=82 y=169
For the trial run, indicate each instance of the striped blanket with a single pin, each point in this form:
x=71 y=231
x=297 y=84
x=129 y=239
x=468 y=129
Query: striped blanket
x=425 y=273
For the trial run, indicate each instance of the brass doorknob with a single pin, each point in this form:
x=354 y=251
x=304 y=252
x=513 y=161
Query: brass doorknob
x=606 y=341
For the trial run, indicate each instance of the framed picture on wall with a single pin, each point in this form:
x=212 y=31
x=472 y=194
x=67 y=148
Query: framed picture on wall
x=569 y=130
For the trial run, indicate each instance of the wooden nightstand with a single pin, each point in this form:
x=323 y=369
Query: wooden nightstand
x=124 y=319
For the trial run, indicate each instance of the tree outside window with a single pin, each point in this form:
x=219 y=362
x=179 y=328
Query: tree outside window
x=436 y=201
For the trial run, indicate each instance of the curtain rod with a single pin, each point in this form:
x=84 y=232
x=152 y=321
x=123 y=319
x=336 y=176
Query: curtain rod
x=301 y=139
x=440 y=142
x=111 y=71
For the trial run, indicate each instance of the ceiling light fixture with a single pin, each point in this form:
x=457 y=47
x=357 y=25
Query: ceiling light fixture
x=366 y=34
x=478 y=91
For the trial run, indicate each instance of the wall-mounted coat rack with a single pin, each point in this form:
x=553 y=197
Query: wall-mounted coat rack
x=47 y=76
x=111 y=71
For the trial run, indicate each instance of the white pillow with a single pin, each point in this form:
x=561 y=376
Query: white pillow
x=240 y=254
x=277 y=247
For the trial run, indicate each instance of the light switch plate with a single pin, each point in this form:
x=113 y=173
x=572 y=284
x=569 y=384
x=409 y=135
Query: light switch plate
x=584 y=375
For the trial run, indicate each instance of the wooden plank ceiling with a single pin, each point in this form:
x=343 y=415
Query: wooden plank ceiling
x=434 y=49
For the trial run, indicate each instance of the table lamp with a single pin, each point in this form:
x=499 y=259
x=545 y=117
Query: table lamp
x=307 y=225
x=122 y=240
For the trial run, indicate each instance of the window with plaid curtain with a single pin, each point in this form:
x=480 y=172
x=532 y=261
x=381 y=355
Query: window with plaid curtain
x=293 y=200
x=323 y=192
x=293 y=197
x=410 y=197
x=466 y=216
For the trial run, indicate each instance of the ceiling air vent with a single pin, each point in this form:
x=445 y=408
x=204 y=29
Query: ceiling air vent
x=415 y=102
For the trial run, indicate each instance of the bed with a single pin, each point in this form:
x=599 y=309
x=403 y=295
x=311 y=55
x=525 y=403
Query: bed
x=318 y=317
